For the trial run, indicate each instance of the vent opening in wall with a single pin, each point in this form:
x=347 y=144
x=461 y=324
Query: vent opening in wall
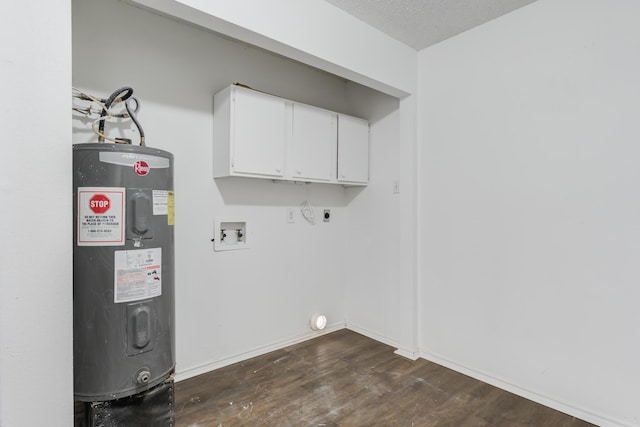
x=318 y=322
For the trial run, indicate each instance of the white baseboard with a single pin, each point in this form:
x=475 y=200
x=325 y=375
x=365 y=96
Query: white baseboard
x=591 y=417
x=211 y=366
x=372 y=335
x=409 y=354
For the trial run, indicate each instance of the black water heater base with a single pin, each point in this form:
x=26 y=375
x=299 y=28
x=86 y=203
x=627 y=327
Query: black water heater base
x=152 y=408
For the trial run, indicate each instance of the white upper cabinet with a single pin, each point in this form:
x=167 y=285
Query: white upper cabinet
x=250 y=132
x=259 y=133
x=313 y=143
x=353 y=150
x=263 y=136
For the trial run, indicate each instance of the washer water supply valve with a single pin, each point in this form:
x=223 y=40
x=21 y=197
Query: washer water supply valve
x=230 y=234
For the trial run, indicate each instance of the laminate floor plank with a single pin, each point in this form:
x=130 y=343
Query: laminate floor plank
x=344 y=379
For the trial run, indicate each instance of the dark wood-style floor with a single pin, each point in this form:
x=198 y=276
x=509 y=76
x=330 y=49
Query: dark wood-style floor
x=346 y=379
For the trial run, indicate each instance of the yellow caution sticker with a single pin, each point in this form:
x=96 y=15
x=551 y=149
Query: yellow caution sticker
x=170 y=208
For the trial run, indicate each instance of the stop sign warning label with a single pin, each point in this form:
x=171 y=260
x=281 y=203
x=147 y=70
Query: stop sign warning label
x=100 y=216
x=99 y=203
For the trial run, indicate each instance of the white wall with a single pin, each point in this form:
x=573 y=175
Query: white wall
x=313 y=32
x=36 y=386
x=318 y=34
x=528 y=204
x=229 y=305
x=373 y=231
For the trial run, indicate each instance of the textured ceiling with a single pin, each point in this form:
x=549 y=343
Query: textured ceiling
x=422 y=23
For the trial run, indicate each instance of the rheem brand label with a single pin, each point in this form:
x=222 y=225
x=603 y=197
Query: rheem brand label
x=101 y=216
x=141 y=167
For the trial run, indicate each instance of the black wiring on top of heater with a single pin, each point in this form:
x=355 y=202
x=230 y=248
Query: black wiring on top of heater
x=122 y=95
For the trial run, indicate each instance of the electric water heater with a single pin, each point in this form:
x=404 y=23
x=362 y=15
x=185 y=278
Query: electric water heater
x=123 y=270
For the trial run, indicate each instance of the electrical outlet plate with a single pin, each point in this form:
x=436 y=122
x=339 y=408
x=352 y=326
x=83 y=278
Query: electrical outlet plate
x=230 y=234
x=396 y=186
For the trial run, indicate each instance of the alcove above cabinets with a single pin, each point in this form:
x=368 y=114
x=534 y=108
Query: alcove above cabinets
x=258 y=135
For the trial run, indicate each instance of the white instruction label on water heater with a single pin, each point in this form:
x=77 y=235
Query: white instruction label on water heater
x=160 y=202
x=163 y=201
x=137 y=274
x=101 y=216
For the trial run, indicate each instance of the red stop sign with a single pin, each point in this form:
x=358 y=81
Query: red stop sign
x=99 y=203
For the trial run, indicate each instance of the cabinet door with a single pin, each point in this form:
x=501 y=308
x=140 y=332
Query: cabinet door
x=313 y=144
x=353 y=149
x=259 y=133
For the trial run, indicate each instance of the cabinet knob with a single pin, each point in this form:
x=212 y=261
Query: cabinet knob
x=298 y=171
x=278 y=170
